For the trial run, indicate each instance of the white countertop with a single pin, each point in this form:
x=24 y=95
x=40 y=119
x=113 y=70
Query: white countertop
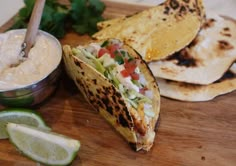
x=226 y=7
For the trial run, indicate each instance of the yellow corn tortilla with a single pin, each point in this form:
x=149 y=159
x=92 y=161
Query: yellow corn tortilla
x=206 y=59
x=159 y=31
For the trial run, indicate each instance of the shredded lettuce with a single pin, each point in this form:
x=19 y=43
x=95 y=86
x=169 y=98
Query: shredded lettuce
x=106 y=60
x=112 y=76
x=96 y=63
x=110 y=68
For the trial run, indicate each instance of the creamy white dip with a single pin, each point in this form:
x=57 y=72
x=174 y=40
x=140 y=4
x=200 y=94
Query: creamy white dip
x=42 y=59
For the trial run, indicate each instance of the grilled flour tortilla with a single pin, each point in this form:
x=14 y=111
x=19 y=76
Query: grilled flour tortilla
x=206 y=59
x=120 y=86
x=159 y=31
x=192 y=92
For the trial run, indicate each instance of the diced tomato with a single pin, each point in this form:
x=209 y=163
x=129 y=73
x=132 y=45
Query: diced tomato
x=125 y=73
x=130 y=66
x=113 y=48
x=102 y=51
x=142 y=90
x=134 y=76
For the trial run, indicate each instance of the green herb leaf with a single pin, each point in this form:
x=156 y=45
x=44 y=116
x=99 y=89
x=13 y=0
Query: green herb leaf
x=82 y=16
x=105 y=43
x=119 y=59
x=97 y=5
x=85 y=14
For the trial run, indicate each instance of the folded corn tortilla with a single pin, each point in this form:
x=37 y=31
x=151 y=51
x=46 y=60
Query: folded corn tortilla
x=159 y=31
x=119 y=85
x=206 y=59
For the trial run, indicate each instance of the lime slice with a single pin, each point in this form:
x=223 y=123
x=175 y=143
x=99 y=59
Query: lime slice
x=43 y=146
x=20 y=116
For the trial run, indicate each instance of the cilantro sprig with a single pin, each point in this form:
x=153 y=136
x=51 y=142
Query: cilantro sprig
x=81 y=16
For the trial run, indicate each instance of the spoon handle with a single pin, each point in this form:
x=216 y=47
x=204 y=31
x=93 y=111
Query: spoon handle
x=33 y=26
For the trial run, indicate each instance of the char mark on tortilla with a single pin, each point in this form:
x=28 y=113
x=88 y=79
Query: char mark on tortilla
x=208 y=23
x=225 y=45
x=227 y=76
x=183 y=58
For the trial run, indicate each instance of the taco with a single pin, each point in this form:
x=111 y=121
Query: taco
x=119 y=85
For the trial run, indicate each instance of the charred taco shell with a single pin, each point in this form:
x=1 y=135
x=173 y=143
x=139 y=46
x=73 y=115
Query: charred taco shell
x=119 y=85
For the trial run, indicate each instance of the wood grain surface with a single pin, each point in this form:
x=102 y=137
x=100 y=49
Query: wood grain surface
x=189 y=134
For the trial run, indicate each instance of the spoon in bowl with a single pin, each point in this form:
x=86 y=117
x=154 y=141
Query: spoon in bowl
x=32 y=29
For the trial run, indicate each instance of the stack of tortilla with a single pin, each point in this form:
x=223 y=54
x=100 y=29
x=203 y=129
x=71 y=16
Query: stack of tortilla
x=191 y=55
x=204 y=69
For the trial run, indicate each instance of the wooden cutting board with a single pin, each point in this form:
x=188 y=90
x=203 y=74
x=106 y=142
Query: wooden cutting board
x=190 y=134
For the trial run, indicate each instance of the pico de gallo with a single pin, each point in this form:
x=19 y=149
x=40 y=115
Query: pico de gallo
x=116 y=64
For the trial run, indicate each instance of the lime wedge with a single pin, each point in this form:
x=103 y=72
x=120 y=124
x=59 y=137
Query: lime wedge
x=20 y=116
x=43 y=146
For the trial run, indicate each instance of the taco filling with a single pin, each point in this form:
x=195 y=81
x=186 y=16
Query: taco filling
x=117 y=65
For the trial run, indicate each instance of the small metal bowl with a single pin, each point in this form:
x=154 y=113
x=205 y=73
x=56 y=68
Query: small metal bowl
x=36 y=93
